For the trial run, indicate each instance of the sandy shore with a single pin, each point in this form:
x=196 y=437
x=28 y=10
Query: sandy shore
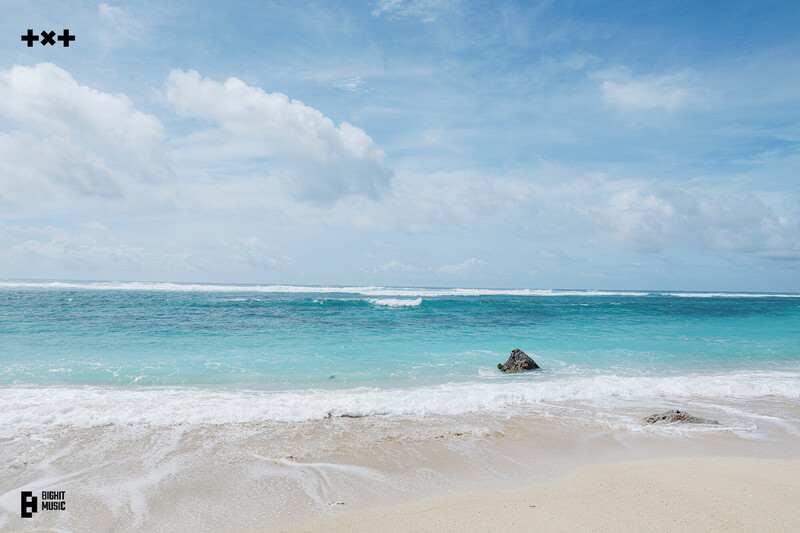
x=696 y=494
x=465 y=473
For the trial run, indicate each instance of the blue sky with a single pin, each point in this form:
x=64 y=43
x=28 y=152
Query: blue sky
x=620 y=145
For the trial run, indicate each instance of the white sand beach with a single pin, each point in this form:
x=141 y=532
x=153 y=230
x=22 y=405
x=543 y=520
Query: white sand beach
x=688 y=494
x=471 y=473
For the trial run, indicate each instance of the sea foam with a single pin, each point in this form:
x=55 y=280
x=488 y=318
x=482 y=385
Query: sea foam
x=373 y=291
x=100 y=406
x=376 y=291
x=395 y=302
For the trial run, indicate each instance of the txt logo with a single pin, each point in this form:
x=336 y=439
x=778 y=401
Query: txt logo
x=47 y=38
x=28 y=503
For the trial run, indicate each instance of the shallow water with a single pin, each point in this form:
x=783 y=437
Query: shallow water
x=88 y=354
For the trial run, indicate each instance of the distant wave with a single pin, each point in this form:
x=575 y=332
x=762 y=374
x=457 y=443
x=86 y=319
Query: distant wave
x=371 y=291
x=315 y=289
x=729 y=295
x=99 y=406
x=394 y=302
x=384 y=302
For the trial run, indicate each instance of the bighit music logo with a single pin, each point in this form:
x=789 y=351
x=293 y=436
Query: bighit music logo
x=52 y=500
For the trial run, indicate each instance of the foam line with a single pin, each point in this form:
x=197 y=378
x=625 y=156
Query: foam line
x=375 y=291
x=99 y=406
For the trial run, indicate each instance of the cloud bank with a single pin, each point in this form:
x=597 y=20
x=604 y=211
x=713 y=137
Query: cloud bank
x=68 y=137
x=316 y=160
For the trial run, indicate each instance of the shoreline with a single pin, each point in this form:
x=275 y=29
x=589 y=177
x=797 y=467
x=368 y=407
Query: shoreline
x=678 y=494
x=266 y=477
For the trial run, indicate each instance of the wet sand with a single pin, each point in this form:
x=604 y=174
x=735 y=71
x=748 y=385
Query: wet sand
x=377 y=473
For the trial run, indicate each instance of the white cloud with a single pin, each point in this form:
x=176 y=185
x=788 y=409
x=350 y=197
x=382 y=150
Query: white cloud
x=69 y=135
x=50 y=251
x=118 y=25
x=316 y=159
x=672 y=219
x=439 y=138
x=110 y=13
x=643 y=221
x=30 y=165
x=558 y=210
x=78 y=253
x=563 y=212
x=94 y=225
x=397 y=266
x=253 y=252
x=354 y=84
x=65 y=137
x=554 y=255
x=467 y=266
x=49 y=97
x=658 y=93
x=427 y=10
x=790 y=256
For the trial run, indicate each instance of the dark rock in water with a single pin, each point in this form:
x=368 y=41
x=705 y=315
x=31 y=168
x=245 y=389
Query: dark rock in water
x=518 y=362
x=677 y=416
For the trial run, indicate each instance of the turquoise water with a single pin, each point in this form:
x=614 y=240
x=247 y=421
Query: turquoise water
x=146 y=337
x=285 y=341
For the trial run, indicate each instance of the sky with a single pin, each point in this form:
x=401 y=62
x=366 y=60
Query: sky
x=444 y=143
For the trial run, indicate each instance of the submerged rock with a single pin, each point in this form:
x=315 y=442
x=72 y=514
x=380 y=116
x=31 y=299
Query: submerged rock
x=677 y=416
x=519 y=361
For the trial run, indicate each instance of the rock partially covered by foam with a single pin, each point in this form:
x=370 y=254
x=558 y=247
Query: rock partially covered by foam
x=519 y=361
x=677 y=416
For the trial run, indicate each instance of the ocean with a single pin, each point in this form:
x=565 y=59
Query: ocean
x=90 y=354
x=165 y=406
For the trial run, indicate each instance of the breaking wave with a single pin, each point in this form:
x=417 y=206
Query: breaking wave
x=395 y=302
x=100 y=406
x=372 y=291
